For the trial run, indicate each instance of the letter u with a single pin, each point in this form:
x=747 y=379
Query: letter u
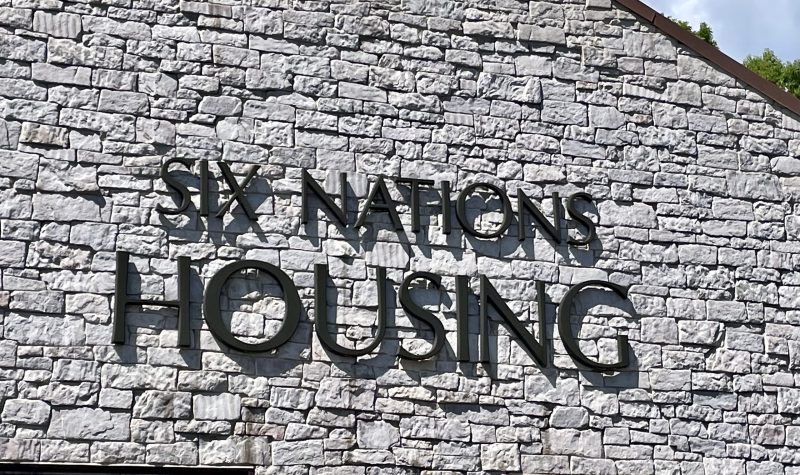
x=321 y=311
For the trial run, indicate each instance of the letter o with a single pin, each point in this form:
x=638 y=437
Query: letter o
x=461 y=210
x=213 y=314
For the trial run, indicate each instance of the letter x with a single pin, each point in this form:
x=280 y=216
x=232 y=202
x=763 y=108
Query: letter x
x=238 y=190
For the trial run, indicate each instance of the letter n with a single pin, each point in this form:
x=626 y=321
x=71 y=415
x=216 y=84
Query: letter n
x=525 y=204
x=309 y=185
x=489 y=296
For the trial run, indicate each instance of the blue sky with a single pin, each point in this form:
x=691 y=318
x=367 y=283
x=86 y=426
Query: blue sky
x=743 y=27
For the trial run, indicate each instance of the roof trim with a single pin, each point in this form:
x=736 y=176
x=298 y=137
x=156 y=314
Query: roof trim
x=713 y=55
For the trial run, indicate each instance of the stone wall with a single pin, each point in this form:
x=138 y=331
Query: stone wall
x=694 y=185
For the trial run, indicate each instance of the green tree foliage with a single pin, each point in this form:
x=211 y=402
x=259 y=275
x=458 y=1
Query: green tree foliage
x=785 y=74
x=704 y=32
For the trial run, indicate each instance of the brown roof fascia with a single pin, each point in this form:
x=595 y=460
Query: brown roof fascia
x=713 y=55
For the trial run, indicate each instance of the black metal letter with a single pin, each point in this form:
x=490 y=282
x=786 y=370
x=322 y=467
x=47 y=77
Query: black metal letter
x=237 y=189
x=321 y=311
x=489 y=296
x=203 y=188
x=462 y=318
x=310 y=184
x=525 y=204
x=591 y=231
x=186 y=197
x=414 y=310
x=461 y=210
x=122 y=300
x=565 y=330
x=447 y=226
x=387 y=205
x=213 y=313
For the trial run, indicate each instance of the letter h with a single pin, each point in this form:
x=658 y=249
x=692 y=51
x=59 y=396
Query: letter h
x=122 y=300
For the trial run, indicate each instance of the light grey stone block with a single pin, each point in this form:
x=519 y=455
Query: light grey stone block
x=217 y=407
x=123 y=102
x=25 y=411
x=309 y=452
x=62 y=25
x=163 y=405
x=346 y=394
x=542 y=34
x=221 y=105
x=584 y=443
x=377 y=435
x=235 y=450
x=89 y=424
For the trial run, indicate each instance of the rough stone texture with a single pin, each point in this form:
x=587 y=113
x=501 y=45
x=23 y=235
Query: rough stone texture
x=27 y=412
x=695 y=181
x=89 y=424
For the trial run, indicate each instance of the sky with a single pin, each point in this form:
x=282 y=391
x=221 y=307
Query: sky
x=743 y=27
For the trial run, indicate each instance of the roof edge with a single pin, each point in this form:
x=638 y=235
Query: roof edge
x=713 y=55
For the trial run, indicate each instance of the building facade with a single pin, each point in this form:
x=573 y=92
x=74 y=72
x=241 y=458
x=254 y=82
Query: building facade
x=417 y=236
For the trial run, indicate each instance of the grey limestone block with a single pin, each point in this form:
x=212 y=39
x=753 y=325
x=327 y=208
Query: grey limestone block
x=346 y=394
x=59 y=25
x=222 y=105
x=28 y=412
x=89 y=424
x=377 y=435
x=541 y=34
